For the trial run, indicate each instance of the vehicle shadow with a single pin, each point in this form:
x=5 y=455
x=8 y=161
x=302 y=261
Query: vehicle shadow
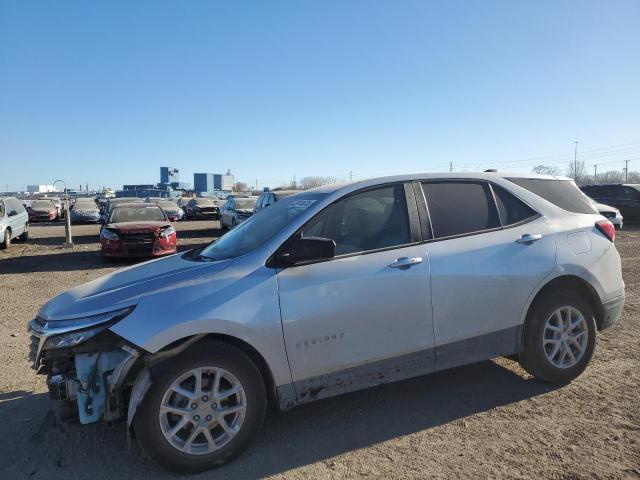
x=303 y=436
x=210 y=233
x=77 y=240
x=71 y=260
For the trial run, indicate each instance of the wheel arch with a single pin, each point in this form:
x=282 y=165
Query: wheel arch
x=183 y=345
x=574 y=283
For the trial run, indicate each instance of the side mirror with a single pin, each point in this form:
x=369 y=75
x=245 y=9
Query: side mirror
x=13 y=213
x=307 y=249
x=101 y=220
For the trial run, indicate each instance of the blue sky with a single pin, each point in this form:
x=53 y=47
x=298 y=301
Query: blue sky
x=107 y=92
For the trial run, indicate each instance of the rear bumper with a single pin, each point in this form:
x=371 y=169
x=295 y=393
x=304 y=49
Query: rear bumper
x=611 y=310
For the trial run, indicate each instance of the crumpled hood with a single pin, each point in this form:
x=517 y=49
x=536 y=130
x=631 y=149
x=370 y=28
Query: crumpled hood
x=127 y=286
x=138 y=227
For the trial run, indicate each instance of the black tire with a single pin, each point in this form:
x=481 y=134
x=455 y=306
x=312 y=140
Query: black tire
x=209 y=353
x=533 y=358
x=25 y=235
x=6 y=244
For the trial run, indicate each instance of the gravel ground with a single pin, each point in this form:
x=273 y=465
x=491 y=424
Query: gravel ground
x=484 y=420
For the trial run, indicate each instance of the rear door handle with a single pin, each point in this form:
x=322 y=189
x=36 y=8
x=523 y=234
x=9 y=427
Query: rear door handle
x=405 y=262
x=529 y=238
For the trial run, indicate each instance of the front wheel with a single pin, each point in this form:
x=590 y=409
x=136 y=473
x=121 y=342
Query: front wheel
x=559 y=338
x=6 y=244
x=204 y=408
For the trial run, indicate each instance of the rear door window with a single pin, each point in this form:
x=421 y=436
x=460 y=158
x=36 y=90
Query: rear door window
x=562 y=193
x=512 y=210
x=459 y=208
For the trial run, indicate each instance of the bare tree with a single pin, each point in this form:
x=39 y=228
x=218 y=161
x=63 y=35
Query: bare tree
x=612 y=176
x=616 y=176
x=240 y=187
x=312 y=182
x=577 y=171
x=544 y=170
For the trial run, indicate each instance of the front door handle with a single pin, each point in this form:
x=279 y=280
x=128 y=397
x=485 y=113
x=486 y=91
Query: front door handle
x=528 y=238
x=405 y=262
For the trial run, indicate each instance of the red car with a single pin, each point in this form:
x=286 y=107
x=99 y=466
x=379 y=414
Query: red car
x=137 y=230
x=42 y=211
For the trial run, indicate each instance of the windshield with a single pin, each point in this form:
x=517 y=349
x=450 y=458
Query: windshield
x=42 y=205
x=245 y=203
x=260 y=228
x=203 y=201
x=152 y=213
x=168 y=205
x=85 y=205
x=1 y=209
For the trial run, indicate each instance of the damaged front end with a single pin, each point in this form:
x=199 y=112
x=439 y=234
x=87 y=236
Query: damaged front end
x=88 y=367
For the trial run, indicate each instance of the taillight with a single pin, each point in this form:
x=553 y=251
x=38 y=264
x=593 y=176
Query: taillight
x=607 y=229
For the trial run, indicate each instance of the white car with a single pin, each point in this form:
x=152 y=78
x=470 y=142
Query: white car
x=328 y=291
x=236 y=210
x=610 y=213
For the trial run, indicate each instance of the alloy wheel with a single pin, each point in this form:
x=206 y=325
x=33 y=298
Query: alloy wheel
x=202 y=410
x=565 y=337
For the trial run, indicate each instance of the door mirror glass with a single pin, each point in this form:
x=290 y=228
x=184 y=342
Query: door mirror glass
x=307 y=249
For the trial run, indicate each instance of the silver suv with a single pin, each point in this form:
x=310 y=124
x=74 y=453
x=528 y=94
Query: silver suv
x=332 y=290
x=14 y=221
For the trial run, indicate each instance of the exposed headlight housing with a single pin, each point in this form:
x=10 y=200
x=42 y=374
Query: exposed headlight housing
x=167 y=232
x=109 y=235
x=89 y=321
x=70 y=332
x=71 y=339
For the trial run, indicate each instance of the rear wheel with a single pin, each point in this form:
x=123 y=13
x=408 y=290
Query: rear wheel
x=204 y=408
x=560 y=336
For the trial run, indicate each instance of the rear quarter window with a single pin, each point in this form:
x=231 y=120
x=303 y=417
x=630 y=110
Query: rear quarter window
x=562 y=193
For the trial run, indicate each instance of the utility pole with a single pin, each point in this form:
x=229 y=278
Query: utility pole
x=626 y=171
x=450 y=167
x=575 y=161
x=68 y=239
x=350 y=176
x=595 y=174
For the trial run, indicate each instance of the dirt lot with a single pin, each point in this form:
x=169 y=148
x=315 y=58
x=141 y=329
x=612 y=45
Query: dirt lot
x=484 y=420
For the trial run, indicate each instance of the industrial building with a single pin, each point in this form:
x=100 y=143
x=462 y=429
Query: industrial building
x=213 y=182
x=43 y=188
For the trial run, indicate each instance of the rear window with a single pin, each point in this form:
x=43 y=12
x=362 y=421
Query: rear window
x=512 y=210
x=562 y=193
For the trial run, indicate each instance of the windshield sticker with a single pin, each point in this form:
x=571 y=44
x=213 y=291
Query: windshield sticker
x=302 y=204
